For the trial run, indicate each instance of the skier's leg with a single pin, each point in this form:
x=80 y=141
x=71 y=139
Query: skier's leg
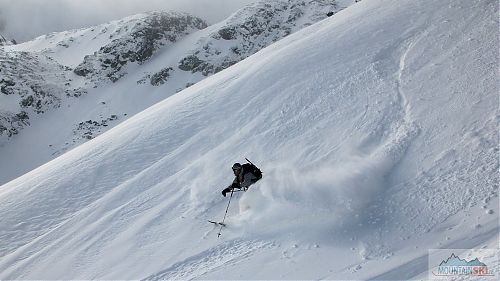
x=248 y=179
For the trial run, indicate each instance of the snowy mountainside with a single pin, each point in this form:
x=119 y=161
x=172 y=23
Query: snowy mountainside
x=37 y=76
x=144 y=38
x=31 y=84
x=71 y=47
x=251 y=29
x=372 y=155
x=149 y=49
x=244 y=33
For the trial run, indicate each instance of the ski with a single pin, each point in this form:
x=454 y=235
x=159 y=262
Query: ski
x=219 y=223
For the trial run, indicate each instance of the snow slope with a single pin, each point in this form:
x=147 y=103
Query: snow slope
x=42 y=98
x=376 y=130
x=159 y=54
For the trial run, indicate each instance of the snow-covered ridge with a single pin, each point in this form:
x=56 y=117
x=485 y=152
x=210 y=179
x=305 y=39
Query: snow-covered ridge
x=137 y=42
x=70 y=47
x=37 y=76
x=251 y=29
x=244 y=33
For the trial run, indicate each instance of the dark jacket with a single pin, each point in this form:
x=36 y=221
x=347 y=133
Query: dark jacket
x=246 y=177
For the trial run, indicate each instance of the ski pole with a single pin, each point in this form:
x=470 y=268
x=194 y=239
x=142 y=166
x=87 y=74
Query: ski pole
x=220 y=230
x=249 y=161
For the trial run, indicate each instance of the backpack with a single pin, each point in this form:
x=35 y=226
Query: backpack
x=250 y=167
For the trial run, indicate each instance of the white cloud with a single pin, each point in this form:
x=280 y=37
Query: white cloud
x=26 y=19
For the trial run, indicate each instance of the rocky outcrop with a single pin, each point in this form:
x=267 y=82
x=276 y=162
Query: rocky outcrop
x=161 y=77
x=139 y=39
x=11 y=123
x=5 y=42
x=252 y=29
x=33 y=84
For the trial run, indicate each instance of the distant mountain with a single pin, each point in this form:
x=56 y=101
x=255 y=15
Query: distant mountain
x=31 y=83
x=244 y=33
x=92 y=79
x=251 y=29
x=136 y=41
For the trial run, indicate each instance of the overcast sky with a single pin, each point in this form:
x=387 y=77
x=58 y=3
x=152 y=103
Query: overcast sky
x=25 y=19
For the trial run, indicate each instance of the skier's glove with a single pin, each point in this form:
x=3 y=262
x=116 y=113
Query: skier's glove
x=235 y=185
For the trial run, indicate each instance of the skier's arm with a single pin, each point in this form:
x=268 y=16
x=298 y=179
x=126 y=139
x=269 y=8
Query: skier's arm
x=236 y=183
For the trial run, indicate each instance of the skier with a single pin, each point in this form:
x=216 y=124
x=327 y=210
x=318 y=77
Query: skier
x=245 y=175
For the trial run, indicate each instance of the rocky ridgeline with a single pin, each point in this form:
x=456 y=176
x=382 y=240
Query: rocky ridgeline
x=31 y=84
x=138 y=40
x=243 y=34
x=252 y=29
x=5 y=42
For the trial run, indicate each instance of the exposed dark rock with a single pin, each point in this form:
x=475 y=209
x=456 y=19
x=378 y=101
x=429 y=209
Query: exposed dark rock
x=91 y=128
x=227 y=33
x=190 y=63
x=10 y=124
x=138 y=44
x=161 y=77
x=4 y=41
x=27 y=101
x=39 y=82
x=6 y=86
x=252 y=29
x=81 y=71
x=21 y=116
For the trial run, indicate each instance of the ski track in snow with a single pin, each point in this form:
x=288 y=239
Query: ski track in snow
x=229 y=253
x=399 y=81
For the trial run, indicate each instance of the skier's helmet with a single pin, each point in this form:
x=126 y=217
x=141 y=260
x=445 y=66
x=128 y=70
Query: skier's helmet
x=236 y=167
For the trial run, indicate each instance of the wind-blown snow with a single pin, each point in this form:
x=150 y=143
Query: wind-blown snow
x=376 y=130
